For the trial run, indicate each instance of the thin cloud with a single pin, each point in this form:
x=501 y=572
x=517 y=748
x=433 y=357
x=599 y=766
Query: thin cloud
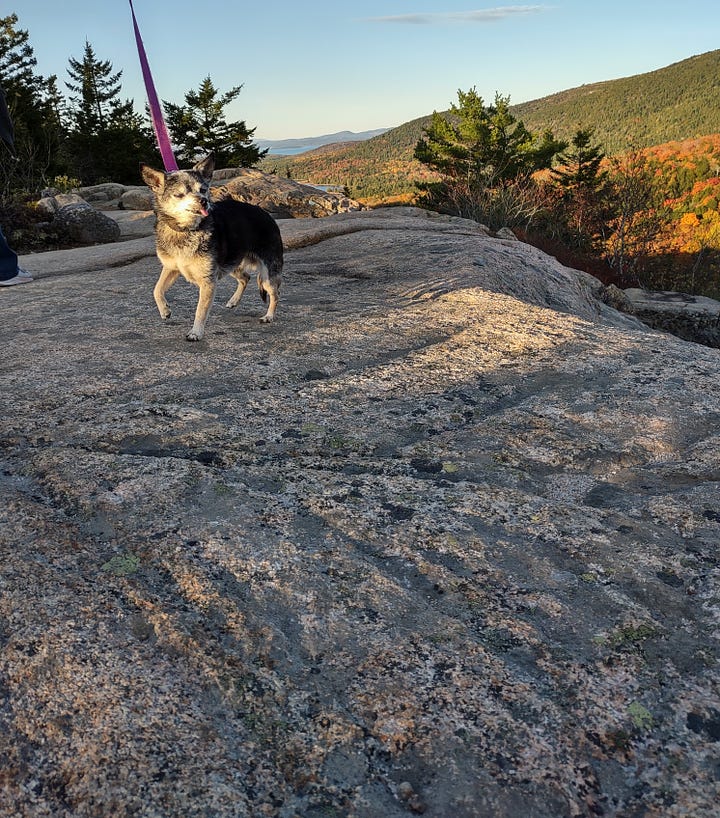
x=480 y=16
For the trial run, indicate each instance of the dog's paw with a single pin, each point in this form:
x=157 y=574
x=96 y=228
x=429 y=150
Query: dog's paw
x=231 y=304
x=267 y=319
x=165 y=314
x=193 y=336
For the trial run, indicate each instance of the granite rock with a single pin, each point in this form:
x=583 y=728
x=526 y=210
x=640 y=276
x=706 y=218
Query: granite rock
x=283 y=198
x=692 y=317
x=51 y=204
x=102 y=193
x=86 y=225
x=441 y=540
x=136 y=198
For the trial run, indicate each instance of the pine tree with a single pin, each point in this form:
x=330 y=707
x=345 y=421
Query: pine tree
x=484 y=144
x=584 y=205
x=98 y=90
x=17 y=59
x=32 y=101
x=199 y=128
x=580 y=165
x=108 y=140
x=486 y=158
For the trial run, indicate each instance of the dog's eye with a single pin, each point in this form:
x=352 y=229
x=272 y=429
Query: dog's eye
x=179 y=195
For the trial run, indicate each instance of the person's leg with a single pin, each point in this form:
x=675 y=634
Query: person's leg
x=10 y=273
x=8 y=260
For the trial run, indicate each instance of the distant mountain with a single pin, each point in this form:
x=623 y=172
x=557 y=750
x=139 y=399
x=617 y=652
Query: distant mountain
x=671 y=104
x=295 y=146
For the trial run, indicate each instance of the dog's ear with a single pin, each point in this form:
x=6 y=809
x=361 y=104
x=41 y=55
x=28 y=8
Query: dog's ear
x=154 y=179
x=206 y=166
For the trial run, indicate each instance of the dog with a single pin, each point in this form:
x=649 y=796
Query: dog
x=204 y=241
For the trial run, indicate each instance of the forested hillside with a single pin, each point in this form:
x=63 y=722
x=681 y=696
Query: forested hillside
x=674 y=103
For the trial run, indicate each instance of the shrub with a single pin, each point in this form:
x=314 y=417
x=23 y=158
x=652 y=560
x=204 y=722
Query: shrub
x=28 y=230
x=65 y=184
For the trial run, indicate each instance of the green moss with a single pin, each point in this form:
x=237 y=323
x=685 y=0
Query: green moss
x=640 y=716
x=122 y=565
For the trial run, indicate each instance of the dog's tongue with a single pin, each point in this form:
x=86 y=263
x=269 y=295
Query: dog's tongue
x=203 y=211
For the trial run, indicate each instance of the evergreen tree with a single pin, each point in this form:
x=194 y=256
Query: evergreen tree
x=482 y=144
x=33 y=104
x=98 y=89
x=580 y=165
x=487 y=159
x=108 y=139
x=128 y=141
x=584 y=204
x=199 y=128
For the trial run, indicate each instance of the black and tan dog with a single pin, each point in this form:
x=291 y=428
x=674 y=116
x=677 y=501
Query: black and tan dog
x=204 y=241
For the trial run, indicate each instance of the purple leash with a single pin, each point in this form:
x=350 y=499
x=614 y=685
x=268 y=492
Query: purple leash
x=161 y=133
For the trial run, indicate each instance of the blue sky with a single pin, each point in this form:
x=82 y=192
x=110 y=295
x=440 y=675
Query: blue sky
x=310 y=68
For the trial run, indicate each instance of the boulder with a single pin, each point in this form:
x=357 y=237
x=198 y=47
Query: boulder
x=106 y=192
x=86 y=225
x=692 y=317
x=136 y=198
x=48 y=205
x=51 y=204
x=506 y=233
x=64 y=199
x=134 y=223
x=282 y=198
x=616 y=298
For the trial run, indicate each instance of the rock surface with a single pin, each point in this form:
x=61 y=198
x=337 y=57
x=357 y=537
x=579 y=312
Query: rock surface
x=692 y=317
x=442 y=540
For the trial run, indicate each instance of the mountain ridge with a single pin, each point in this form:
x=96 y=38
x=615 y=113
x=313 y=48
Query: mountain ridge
x=294 y=143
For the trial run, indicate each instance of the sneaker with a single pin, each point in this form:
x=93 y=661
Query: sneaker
x=24 y=273
x=16 y=279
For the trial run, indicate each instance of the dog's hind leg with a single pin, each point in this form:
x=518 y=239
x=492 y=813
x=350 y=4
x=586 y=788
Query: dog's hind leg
x=168 y=276
x=205 y=301
x=269 y=285
x=242 y=279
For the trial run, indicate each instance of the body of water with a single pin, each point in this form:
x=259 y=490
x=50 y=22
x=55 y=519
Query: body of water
x=291 y=151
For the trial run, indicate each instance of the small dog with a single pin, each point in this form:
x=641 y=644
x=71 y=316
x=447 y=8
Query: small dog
x=204 y=241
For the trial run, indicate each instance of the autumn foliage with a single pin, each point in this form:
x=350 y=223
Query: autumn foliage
x=686 y=253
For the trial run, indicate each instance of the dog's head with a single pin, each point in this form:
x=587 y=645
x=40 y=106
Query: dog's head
x=181 y=195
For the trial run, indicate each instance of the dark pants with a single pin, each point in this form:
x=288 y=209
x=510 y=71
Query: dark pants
x=8 y=260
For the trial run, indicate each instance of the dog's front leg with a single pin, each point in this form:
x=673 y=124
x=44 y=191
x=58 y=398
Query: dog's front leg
x=168 y=276
x=205 y=301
